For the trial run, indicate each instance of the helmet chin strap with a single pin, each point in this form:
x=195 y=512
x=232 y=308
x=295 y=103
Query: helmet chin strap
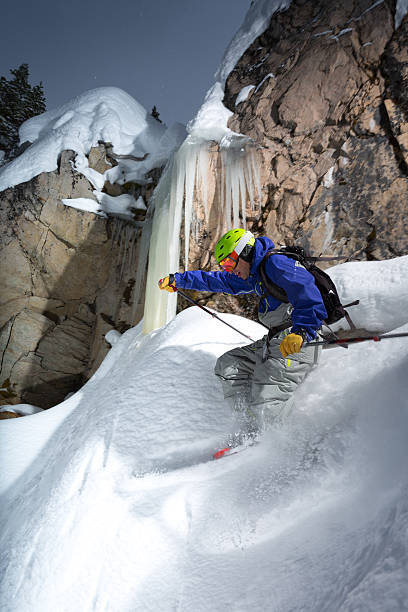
x=243 y=242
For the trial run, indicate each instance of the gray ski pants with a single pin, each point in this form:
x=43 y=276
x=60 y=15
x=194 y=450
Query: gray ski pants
x=259 y=381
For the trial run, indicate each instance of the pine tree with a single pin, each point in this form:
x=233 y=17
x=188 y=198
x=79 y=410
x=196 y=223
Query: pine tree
x=18 y=102
x=155 y=113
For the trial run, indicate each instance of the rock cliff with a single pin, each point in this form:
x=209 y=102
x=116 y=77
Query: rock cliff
x=322 y=93
x=327 y=107
x=66 y=278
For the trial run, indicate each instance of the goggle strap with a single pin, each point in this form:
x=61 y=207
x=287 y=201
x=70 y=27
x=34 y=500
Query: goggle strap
x=245 y=238
x=232 y=256
x=233 y=259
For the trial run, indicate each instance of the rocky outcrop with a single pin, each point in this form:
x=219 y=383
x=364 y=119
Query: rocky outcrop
x=7 y=414
x=326 y=107
x=394 y=68
x=66 y=279
x=328 y=113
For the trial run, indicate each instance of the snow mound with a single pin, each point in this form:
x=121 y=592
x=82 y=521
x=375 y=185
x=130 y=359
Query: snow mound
x=110 y=500
x=381 y=287
x=105 y=114
x=210 y=123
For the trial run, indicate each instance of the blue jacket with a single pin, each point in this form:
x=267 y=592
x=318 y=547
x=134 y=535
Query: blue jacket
x=308 y=308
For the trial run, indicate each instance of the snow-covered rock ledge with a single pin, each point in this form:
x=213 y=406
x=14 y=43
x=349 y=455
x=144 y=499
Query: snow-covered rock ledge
x=138 y=141
x=67 y=266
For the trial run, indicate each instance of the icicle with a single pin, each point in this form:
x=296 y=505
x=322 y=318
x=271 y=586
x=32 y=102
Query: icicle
x=226 y=179
x=239 y=183
x=249 y=184
x=242 y=196
x=184 y=179
x=232 y=167
x=254 y=173
x=191 y=177
x=156 y=309
x=221 y=182
x=202 y=170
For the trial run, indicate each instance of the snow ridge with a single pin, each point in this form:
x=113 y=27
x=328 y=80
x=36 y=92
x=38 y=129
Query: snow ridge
x=133 y=515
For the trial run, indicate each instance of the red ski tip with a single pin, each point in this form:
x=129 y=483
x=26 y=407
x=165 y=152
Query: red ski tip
x=221 y=452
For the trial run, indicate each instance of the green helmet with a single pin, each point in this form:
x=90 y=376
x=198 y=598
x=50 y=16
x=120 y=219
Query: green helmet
x=234 y=240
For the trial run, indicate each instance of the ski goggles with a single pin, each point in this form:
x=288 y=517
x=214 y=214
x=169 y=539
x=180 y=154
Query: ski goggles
x=229 y=263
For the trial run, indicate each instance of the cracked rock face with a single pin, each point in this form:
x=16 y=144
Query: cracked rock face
x=326 y=104
x=328 y=111
x=64 y=282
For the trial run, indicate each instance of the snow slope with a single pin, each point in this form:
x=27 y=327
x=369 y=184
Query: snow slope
x=110 y=503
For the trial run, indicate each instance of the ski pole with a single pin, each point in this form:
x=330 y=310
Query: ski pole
x=345 y=341
x=189 y=299
x=316 y=259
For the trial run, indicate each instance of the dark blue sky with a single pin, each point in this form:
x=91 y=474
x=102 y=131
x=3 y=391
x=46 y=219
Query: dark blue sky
x=162 y=52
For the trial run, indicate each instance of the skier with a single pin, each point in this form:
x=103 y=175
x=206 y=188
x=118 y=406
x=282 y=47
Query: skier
x=260 y=378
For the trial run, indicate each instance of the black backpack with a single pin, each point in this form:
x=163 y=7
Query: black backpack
x=334 y=308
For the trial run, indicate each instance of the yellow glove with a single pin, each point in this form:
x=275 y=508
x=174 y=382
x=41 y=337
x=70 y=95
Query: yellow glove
x=167 y=283
x=291 y=344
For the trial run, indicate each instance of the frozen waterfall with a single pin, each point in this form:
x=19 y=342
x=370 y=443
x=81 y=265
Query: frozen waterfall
x=181 y=192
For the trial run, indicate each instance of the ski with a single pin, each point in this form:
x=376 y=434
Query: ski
x=233 y=450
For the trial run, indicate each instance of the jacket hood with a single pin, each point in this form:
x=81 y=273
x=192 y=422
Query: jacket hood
x=262 y=246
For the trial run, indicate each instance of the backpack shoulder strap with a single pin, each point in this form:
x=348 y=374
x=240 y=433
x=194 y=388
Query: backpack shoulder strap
x=335 y=309
x=271 y=288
